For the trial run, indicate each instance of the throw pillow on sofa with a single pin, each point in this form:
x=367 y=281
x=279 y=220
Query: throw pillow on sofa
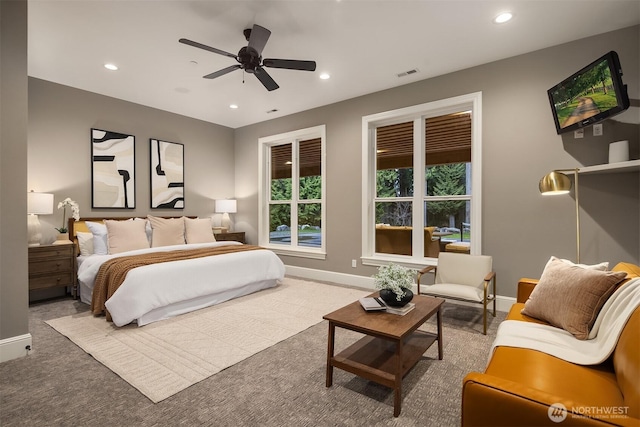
x=570 y=297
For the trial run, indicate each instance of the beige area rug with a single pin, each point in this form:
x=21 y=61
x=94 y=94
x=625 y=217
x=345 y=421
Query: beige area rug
x=163 y=358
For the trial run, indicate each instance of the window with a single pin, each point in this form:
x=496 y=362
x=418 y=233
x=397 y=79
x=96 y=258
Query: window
x=292 y=192
x=421 y=165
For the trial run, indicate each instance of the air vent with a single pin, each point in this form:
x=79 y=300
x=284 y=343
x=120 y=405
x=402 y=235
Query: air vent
x=272 y=111
x=408 y=73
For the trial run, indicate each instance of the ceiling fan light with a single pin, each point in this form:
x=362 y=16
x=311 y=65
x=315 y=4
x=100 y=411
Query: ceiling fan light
x=233 y=106
x=325 y=76
x=111 y=67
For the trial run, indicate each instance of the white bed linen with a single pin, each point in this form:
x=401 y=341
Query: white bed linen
x=158 y=291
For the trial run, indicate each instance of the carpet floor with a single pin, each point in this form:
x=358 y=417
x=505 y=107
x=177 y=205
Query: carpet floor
x=59 y=384
x=163 y=358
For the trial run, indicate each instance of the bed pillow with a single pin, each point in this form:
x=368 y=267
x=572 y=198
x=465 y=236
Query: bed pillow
x=198 y=230
x=125 y=236
x=99 y=232
x=166 y=231
x=85 y=243
x=570 y=297
x=147 y=228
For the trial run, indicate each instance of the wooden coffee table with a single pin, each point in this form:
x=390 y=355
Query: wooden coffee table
x=392 y=347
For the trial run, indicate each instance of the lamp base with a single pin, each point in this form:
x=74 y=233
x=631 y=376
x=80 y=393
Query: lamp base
x=33 y=230
x=226 y=221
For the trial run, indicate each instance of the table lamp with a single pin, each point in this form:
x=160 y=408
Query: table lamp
x=225 y=207
x=37 y=204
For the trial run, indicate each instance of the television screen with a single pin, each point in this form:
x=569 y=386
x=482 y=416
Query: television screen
x=591 y=95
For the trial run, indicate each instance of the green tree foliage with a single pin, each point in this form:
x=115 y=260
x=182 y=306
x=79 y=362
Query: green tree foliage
x=309 y=213
x=445 y=180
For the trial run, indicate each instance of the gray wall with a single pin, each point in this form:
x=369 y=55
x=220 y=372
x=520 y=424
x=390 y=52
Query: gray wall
x=13 y=169
x=521 y=230
x=60 y=120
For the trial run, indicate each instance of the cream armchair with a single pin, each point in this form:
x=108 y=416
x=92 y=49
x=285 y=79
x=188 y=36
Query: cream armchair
x=463 y=277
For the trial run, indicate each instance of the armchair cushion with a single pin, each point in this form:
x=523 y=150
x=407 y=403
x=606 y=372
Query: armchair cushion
x=570 y=297
x=463 y=269
x=452 y=290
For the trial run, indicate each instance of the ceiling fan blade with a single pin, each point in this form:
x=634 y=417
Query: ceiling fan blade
x=258 y=38
x=222 y=72
x=205 y=47
x=290 y=64
x=266 y=79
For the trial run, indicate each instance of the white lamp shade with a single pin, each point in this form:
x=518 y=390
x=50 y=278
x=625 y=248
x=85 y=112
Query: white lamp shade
x=39 y=203
x=226 y=206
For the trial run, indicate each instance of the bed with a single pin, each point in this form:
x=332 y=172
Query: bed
x=209 y=272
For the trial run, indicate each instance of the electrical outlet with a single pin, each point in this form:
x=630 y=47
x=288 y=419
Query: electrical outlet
x=597 y=129
x=354 y=263
x=578 y=133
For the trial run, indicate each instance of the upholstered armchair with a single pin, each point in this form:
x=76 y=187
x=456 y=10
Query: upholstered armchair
x=463 y=277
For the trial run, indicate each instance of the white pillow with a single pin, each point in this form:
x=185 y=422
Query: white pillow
x=85 y=243
x=126 y=236
x=166 y=231
x=198 y=230
x=99 y=232
x=603 y=266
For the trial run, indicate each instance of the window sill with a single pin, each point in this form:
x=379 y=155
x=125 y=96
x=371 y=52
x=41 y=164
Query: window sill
x=406 y=261
x=300 y=253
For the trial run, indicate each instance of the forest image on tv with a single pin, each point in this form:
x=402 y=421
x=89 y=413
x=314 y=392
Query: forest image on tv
x=585 y=96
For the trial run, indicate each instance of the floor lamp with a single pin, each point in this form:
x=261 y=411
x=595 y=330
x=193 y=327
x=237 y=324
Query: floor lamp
x=557 y=182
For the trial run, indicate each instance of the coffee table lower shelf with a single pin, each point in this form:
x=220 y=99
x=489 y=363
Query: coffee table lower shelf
x=376 y=359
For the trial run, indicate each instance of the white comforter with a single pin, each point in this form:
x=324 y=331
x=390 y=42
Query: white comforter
x=203 y=281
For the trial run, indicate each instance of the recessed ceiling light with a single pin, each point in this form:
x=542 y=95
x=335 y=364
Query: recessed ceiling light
x=325 y=76
x=233 y=106
x=503 y=17
x=111 y=67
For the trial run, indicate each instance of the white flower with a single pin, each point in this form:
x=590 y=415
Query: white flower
x=75 y=212
x=395 y=278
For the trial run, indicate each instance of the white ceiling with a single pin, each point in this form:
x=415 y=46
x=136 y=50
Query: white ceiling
x=362 y=44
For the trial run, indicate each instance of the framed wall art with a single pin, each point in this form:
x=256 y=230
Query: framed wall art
x=112 y=170
x=167 y=175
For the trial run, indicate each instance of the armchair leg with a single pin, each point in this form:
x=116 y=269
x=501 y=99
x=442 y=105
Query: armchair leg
x=484 y=318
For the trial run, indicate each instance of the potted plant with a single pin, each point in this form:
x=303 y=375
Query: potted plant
x=75 y=212
x=395 y=283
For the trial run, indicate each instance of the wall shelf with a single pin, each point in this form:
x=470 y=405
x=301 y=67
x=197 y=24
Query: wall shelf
x=620 y=167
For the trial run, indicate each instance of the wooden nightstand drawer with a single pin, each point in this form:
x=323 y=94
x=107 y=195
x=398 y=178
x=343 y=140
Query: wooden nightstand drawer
x=50 y=251
x=236 y=236
x=50 y=266
x=51 y=281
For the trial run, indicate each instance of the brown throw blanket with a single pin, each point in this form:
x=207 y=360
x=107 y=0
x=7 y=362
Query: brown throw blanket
x=113 y=272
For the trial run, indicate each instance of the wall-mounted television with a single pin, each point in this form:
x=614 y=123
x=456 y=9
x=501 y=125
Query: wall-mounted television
x=591 y=95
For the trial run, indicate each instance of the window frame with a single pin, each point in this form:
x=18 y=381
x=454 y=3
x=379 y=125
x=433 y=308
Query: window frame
x=419 y=113
x=264 y=192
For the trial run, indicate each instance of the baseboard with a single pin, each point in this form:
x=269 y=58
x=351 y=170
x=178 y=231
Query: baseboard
x=330 y=276
x=14 y=347
x=502 y=303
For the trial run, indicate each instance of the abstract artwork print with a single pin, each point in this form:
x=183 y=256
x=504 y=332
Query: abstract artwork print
x=112 y=170
x=167 y=175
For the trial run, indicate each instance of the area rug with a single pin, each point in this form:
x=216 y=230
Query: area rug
x=164 y=358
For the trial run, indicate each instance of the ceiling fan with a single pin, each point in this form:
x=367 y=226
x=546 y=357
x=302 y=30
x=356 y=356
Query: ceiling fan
x=250 y=58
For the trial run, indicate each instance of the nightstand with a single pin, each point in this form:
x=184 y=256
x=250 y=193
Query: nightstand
x=51 y=266
x=236 y=236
